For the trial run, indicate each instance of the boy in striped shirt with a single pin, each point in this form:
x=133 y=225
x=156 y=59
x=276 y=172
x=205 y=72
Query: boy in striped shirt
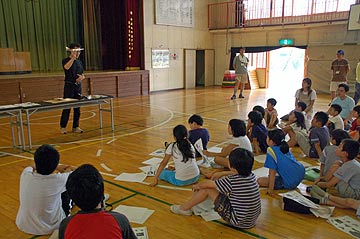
x=236 y=196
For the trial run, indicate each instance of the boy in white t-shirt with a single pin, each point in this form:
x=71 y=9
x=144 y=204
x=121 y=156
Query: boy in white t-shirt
x=43 y=200
x=335 y=121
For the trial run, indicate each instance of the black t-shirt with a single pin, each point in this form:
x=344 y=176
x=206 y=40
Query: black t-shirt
x=72 y=74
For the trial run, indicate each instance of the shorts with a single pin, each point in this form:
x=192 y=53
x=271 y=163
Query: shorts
x=169 y=176
x=346 y=191
x=334 y=85
x=242 y=78
x=279 y=184
x=223 y=207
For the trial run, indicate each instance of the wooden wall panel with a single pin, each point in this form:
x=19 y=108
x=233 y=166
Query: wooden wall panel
x=9 y=93
x=35 y=90
x=22 y=61
x=42 y=86
x=7 y=60
x=103 y=85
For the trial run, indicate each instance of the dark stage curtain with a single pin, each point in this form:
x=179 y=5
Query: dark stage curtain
x=44 y=28
x=92 y=34
x=133 y=35
x=113 y=34
x=255 y=49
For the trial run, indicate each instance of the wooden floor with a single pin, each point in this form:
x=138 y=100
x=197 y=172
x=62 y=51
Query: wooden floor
x=142 y=124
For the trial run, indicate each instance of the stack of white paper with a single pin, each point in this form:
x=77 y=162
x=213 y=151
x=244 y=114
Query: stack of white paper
x=134 y=214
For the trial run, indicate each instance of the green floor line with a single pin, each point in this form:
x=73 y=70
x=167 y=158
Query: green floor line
x=134 y=191
x=169 y=204
x=123 y=199
x=34 y=237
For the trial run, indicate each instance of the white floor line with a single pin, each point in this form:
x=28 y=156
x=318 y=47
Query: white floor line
x=17 y=155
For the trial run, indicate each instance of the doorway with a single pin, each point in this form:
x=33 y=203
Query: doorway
x=200 y=68
x=286 y=69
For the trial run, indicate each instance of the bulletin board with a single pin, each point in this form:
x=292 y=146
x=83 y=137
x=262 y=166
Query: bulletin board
x=160 y=58
x=174 y=12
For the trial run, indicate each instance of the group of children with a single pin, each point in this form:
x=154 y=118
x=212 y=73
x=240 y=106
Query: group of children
x=235 y=193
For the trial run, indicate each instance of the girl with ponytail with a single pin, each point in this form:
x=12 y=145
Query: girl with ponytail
x=186 y=170
x=285 y=172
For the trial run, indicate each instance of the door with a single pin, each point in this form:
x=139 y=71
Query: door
x=190 y=68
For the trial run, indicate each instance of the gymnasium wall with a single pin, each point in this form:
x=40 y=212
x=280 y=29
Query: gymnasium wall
x=323 y=40
x=176 y=39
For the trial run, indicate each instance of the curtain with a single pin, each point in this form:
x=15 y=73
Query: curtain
x=44 y=28
x=92 y=34
x=133 y=35
x=255 y=49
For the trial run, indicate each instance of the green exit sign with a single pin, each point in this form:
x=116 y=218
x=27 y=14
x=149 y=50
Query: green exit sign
x=286 y=42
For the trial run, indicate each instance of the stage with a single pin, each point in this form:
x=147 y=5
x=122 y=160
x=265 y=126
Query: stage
x=39 y=86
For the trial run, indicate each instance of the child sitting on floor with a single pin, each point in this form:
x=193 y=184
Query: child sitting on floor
x=330 y=162
x=236 y=197
x=313 y=144
x=328 y=199
x=295 y=124
x=257 y=132
x=285 y=172
x=186 y=170
x=237 y=129
x=346 y=178
x=335 y=121
x=198 y=132
x=271 y=114
x=44 y=203
x=355 y=125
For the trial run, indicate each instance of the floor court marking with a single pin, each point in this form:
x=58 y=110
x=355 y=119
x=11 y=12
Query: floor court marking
x=169 y=204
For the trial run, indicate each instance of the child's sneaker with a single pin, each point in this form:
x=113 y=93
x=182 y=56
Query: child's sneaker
x=241 y=96
x=233 y=97
x=63 y=130
x=176 y=209
x=77 y=130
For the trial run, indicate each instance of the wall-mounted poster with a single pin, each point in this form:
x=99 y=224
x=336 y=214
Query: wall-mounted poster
x=174 y=12
x=160 y=58
x=354 y=17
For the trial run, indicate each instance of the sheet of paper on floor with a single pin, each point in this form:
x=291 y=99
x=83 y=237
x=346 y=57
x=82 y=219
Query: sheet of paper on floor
x=210 y=216
x=150 y=170
x=131 y=177
x=152 y=161
x=215 y=149
x=135 y=214
x=260 y=158
x=141 y=232
x=158 y=153
x=296 y=196
x=261 y=172
x=346 y=224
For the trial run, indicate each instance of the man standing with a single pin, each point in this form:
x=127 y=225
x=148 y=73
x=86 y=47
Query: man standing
x=73 y=70
x=357 y=84
x=340 y=67
x=240 y=63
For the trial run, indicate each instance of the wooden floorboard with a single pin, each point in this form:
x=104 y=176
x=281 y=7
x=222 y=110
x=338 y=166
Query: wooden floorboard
x=142 y=125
